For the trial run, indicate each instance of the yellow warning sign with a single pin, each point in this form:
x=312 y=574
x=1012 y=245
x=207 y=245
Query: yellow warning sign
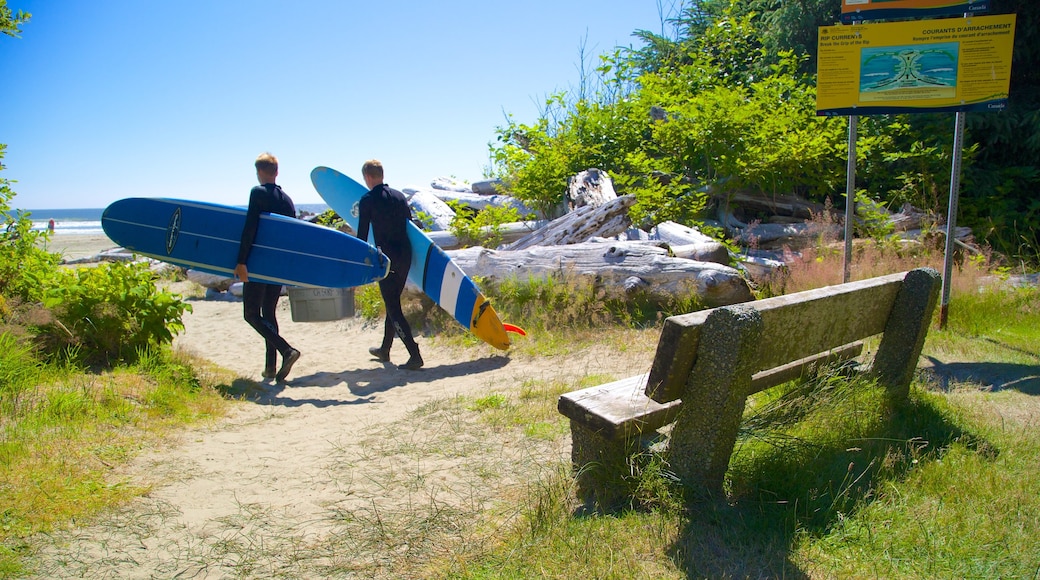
x=955 y=64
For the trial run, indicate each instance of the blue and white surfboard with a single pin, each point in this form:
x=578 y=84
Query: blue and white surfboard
x=431 y=269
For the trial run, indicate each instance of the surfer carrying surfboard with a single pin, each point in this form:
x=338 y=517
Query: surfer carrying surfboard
x=386 y=210
x=259 y=299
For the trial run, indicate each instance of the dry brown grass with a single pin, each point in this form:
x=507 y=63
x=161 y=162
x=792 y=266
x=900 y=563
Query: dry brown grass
x=823 y=266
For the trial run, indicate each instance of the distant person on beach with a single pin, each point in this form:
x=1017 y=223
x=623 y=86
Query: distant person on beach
x=386 y=210
x=50 y=226
x=259 y=299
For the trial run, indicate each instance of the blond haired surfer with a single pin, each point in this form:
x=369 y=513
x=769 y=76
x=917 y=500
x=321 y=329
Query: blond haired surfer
x=259 y=299
x=386 y=210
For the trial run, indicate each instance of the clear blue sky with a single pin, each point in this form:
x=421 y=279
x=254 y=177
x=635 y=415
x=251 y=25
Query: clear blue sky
x=126 y=98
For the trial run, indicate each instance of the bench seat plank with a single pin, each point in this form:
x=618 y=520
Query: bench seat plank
x=619 y=409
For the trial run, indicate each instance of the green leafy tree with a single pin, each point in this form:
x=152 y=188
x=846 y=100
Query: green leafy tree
x=728 y=103
x=711 y=115
x=482 y=228
x=25 y=268
x=10 y=23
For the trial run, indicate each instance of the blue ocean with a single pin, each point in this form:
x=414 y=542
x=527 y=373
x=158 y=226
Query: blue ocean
x=78 y=221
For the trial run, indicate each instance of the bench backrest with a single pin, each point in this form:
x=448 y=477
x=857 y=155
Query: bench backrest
x=794 y=326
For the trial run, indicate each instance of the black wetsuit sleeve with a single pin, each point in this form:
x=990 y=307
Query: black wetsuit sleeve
x=252 y=223
x=364 y=217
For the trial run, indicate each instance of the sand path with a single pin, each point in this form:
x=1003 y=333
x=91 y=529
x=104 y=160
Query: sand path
x=287 y=485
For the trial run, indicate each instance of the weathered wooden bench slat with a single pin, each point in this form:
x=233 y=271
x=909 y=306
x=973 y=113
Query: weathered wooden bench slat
x=763 y=380
x=795 y=326
x=619 y=409
x=823 y=319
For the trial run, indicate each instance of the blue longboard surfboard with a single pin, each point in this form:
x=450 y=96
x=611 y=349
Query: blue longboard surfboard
x=431 y=269
x=206 y=236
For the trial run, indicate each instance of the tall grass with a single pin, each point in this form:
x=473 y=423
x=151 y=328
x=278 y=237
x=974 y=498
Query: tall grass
x=64 y=430
x=820 y=266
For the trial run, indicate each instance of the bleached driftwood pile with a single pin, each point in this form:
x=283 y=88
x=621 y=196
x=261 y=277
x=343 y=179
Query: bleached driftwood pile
x=772 y=222
x=619 y=267
x=595 y=240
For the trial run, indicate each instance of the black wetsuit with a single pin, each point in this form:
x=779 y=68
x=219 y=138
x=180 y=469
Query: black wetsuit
x=259 y=299
x=386 y=210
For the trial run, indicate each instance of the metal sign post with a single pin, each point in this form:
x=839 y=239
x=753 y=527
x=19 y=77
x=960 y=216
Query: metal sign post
x=951 y=217
x=850 y=197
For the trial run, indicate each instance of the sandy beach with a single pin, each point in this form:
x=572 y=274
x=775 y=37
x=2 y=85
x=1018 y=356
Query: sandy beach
x=75 y=246
x=345 y=434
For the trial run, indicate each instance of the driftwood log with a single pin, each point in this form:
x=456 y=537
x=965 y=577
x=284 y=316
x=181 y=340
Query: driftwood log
x=478 y=202
x=703 y=252
x=605 y=221
x=962 y=236
x=487 y=186
x=590 y=187
x=700 y=252
x=618 y=267
x=678 y=234
x=781 y=235
x=438 y=212
x=750 y=204
x=450 y=184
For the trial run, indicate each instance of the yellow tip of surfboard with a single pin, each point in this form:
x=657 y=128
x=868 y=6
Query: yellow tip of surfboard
x=487 y=326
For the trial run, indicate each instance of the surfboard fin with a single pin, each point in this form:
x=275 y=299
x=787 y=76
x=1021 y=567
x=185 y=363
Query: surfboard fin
x=514 y=329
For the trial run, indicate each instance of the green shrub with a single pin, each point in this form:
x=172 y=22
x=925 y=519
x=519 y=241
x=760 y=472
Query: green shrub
x=483 y=228
x=330 y=219
x=111 y=312
x=25 y=268
x=368 y=302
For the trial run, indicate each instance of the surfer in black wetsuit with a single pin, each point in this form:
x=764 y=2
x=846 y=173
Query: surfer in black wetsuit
x=387 y=211
x=259 y=299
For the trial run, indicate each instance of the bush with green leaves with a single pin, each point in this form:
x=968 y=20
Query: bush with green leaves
x=111 y=312
x=25 y=268
x=329 y=218
x=482 y=228
x=103 y=314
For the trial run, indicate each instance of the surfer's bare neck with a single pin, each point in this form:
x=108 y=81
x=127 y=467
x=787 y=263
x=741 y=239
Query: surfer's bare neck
x=264 y=177
x=372 y=181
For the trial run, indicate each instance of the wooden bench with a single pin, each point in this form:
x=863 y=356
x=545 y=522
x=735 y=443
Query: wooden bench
x=709 y=362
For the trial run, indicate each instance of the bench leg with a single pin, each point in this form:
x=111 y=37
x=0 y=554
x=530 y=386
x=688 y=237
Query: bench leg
x=706 y=430
x=905 y=331
x=600 y=467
